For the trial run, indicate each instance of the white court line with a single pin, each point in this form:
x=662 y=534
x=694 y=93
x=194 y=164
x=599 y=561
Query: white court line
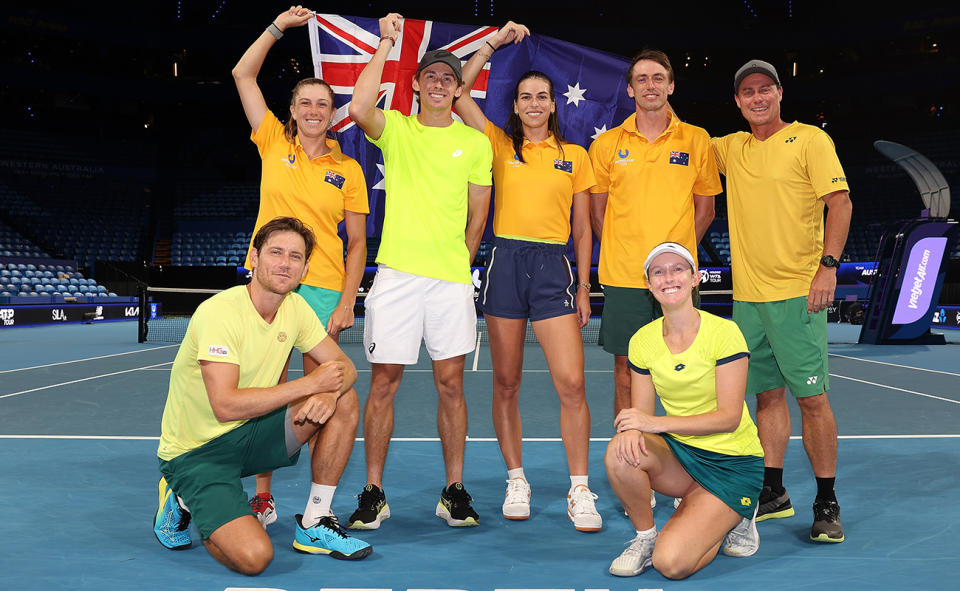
x=895 y=365
x=86 y=359
x=106 y=375
x=833 y=375
x=475 y=439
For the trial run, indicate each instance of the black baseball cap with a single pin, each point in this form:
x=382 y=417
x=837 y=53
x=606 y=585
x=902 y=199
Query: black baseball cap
x=442 y=56
x=754 y=67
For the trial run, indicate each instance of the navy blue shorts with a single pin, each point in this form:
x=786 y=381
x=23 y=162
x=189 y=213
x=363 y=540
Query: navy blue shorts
x=527 y=279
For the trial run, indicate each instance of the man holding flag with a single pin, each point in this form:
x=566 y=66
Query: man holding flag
x=438 y=178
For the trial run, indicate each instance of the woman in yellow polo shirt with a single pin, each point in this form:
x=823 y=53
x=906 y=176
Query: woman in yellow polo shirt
x=705 y=450
x=305 y=175
x=538 y=178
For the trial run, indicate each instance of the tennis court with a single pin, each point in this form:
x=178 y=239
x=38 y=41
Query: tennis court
x=80 y=410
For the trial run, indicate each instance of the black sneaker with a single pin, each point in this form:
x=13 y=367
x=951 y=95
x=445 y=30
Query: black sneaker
x=454 y=507
x=371 y=509
x=773 y=505
x=826 y=522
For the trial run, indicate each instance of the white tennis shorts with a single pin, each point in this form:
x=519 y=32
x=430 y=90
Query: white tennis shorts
x=402 y=309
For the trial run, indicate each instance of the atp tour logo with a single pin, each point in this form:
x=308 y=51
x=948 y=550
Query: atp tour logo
x=6 y=316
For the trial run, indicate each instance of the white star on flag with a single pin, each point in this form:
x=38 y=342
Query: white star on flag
x=598 y=131
x=574 y=94
x=381 y=184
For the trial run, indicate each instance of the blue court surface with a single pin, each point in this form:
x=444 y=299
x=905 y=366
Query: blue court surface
x=80 y=409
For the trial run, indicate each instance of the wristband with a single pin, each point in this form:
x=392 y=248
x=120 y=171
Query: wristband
x=491 y=46
x=274 y=30
x=390 y=39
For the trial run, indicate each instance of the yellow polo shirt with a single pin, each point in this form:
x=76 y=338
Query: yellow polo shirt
x=774 y=208
x=532 y=199
x=317 y=191
x=227 y=329
x=651 y=188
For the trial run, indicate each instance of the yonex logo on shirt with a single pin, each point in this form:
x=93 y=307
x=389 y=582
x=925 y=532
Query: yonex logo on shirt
x=789 y=140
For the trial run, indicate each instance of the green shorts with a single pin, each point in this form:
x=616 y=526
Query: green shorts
x=323 y=301
x=735 y=480
x=625 y=311
x=208 y=478
x=788 y=346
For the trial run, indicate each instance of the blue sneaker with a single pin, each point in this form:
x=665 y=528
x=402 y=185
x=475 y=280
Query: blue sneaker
x=171 y=523
x=326 y=537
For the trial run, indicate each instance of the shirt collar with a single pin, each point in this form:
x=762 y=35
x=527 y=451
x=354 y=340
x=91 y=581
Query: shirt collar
x=630 y=124
x=550 y=141
x=335 y=152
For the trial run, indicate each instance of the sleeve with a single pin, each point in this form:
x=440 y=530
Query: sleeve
x=269 y=132
x=218 y=338
x=481 y=173
x=498 y=139
x=730 y=344
x=390 y=122
x=823 y=166
x=708 y=176
x=311 y=329
x=583 y=177
x=720 y=145
x=355 y=189
x=635 y=353
x=600 y=161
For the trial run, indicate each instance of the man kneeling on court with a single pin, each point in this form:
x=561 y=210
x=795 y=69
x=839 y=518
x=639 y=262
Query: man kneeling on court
x=227 y=417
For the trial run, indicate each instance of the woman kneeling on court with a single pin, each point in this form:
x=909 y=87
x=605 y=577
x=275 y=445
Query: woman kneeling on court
x=705 y=449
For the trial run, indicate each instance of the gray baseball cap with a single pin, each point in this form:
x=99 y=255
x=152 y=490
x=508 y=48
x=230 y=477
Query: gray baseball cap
x=442 y=56
x=754 y=67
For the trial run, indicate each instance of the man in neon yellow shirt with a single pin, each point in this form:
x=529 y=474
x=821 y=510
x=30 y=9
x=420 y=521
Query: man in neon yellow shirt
x=227 y=417
x=784 y=262
x=437 y=175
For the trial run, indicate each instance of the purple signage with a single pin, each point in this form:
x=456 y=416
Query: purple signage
x=919 y=280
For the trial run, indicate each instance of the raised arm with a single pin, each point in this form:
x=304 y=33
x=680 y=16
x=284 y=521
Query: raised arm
x=246 y=70
x=363 y=107
x=467 y=108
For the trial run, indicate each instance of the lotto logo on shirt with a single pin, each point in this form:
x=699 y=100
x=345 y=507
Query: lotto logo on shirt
x=681 y=158
x=334 y=179
x=564 y=165
x=218 y=351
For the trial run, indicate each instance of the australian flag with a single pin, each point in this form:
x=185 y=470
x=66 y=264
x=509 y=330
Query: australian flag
x=334 y=179
x=589 y=84
x=681 y=158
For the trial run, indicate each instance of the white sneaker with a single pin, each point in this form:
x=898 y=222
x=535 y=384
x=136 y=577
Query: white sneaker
x=743 y=540
x=653 y=499
x=582 y=511
x=676 y=502
x=637 y=556
x=516 y=504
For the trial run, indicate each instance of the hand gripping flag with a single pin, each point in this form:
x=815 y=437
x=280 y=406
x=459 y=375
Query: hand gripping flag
x=589 y=84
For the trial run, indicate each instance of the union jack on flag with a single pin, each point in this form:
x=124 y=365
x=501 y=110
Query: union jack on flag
x=589 y=84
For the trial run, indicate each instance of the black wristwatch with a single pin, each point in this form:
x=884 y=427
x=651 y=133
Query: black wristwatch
x=829 y=261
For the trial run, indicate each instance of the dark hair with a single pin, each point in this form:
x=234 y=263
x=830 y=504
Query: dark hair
x=290 y=128
x=514 y=127
x=653 y=55
x=285 y=224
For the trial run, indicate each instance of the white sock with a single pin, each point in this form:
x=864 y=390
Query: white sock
x=576 y=481
x=516 y=473
x=647 y=533
x=318 y=504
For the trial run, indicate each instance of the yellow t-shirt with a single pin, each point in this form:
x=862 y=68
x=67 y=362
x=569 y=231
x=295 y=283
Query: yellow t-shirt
x=651 y=188
x=532 y=199
x=227 y=329
x=427 y=170
x=317 y=191
x=687 y=382
x=774 y=208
